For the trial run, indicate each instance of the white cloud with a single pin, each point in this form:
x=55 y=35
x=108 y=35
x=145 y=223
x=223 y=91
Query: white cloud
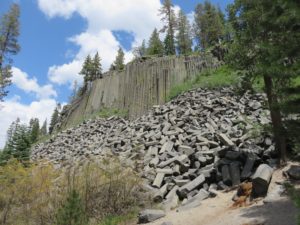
x=138 y=17
x=12 y=109
x=22 y=81
x=66 y=73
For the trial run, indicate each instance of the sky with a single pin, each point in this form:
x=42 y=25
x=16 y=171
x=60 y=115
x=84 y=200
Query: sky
x=56 y=36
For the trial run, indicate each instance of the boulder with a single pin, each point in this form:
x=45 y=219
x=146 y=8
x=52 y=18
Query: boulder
x=294 y=172
x=261 y=180
x=149 y=215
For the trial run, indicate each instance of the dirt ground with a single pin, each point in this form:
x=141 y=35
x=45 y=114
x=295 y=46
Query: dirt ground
x=217 y=211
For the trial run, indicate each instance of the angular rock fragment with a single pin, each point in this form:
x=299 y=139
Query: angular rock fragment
x=184 y=190
x=158 y=180
x=225 y=140
x=261 y=180
x=149 y=215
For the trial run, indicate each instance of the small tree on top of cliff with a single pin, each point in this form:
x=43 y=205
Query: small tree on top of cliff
x=208 y=25
x=168 y=17
x=96 y=67
x=183 y=37
x=140 y=51
x=87 y=69
x=155 y=46
x=118 y=64
x=54 y=118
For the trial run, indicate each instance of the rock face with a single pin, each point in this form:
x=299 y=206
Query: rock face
x=138 y=87
x=196 y=143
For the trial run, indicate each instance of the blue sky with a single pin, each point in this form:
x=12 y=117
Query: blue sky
x=55 y=37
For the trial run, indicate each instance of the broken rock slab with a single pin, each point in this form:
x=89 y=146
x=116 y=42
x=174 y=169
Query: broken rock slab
x=149 y=215
x=261 y=180
x=184 y=190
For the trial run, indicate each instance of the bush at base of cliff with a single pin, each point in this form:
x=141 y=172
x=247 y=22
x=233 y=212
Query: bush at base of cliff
x=39 y=195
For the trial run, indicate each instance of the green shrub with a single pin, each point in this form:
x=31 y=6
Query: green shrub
x=221 y=77
x=72 y=212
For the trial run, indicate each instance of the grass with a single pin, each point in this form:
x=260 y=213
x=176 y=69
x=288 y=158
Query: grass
x=223 y=76
x=108 y=112
x=119 y=220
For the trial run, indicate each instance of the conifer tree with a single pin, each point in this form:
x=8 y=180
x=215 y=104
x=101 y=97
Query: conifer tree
x=266 y=43
x=208 y=25
x=9 y=32
x=43 y=130
x=118 y=64
x=54 y=119
x=87 y=69
x=96 y=68
x=155 y=46
x=184 y=36
x=72 y=211
x=140 y=51
x=34 y=126
x=168 y=17
x=18 y=143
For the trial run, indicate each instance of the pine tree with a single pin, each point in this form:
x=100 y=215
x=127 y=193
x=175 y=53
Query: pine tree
x=266 y=43
x=155 y=46
x=184 y=37
x=87 y=69
x=72 y=212
x=168 y=17
x=43 y=130
x=34 y=126
x=54 y=119
x=119 y=61
x=18 y=143
x=140 y=51
x=97 y=68
x=208 y=25
x=9 y=32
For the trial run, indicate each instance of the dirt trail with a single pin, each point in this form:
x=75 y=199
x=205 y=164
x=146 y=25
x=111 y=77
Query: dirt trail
x=217 y=211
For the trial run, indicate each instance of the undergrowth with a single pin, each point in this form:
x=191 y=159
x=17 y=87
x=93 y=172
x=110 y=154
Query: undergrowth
x=94 y=193
x=221 y=77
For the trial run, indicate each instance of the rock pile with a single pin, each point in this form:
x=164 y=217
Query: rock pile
x=201 y=141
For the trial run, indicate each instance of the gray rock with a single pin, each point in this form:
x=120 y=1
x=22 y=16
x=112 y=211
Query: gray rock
x=158 y=180
x=225 y=140
x=247 y=170
x=149 y=215
x=184 y=190
x=261 y=180
x=294 y=172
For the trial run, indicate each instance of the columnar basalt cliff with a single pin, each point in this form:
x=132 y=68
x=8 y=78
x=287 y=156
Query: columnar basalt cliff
x=138 y=87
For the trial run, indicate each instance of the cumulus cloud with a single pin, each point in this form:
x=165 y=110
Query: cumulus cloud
x=30 y=85
x=12 y=109
x=138 y=17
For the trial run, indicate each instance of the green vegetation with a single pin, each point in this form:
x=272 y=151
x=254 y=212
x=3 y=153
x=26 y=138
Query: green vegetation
x=118 y=64
x=102 y=192
x=266 y=47
x=9 y=32
x=108 y=112
x=119 y=220
x=72 y=211
x=295 y=196
x=223 y=76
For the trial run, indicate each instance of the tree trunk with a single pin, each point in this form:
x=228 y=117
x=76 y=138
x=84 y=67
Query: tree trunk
x=278 y=129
